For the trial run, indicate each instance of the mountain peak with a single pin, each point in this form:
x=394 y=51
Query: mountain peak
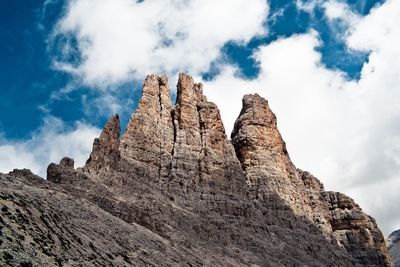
x=105 y=148
x=185 y=194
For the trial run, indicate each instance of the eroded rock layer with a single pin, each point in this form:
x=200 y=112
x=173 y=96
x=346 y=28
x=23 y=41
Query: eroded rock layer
x=268 y=168
x=174 y=191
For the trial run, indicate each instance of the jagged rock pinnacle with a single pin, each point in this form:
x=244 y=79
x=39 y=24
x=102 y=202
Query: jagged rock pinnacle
x=264 y=157
x=148 y=140
x=173 y=191
x=256 y=130
x=262 y=151
x=185 y=143
x=105 y=148
x=202 y=153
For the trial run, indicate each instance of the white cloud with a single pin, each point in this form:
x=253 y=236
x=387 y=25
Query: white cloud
x=125 y=39
x=15 y=156
x=341 y=19
x=308 y=5
x=345 y=132
x=339 y=10
x=49 y=144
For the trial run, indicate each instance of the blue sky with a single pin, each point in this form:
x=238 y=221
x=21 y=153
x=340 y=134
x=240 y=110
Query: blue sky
x=28 y=78
x=325 y=66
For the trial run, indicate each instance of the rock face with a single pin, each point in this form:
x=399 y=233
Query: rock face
x=173 y=190
x=263 y=155
x=393 y=243
x=148 y=141
x=105 y=151
x=268 y=168
x=185 y=144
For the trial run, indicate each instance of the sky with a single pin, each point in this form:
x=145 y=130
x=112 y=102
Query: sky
x=329 y=69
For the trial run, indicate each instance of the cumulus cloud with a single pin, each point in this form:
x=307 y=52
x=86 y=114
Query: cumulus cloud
x=50 y=143
x=345 y=132
x=123 y=39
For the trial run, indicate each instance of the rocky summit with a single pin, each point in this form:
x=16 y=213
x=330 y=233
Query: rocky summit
x=174 y=190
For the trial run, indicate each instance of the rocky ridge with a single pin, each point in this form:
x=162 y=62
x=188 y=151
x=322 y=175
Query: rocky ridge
x=174 y=190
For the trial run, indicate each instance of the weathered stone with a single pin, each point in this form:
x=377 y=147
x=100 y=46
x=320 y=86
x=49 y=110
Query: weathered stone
x=174 y=191
x=357 y=232
x=105 y=152
x=149 y=138
x=202 y=153
x=310 y=182
x=264 y=157
x=27 y=175
x=262 y=152
x=67 y=163
x=394 y=247
x=64 y=172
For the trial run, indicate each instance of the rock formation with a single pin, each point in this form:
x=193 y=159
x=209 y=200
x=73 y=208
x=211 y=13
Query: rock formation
x=173 y=190
x=393 y=243
x=105 y=151
x=268 y=168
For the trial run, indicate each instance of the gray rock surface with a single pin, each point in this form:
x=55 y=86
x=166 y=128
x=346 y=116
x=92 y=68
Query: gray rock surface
x=174 y=191
x=393 y=243
x=105 y=151
x=268 y=167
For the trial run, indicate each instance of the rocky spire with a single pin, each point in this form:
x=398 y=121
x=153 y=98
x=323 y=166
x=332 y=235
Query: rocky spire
x=148 y=140
x=262 y=151
x=269 y=170
x=175 y=174
x=184 y=149
x=179 y=146
x=105 y=148
x=202 y=153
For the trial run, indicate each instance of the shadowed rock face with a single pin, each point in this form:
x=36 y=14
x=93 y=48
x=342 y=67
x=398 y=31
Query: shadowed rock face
x=262 y=152
x=394 y=247
x=268 y=168
x=173 y=190
x=105 y=151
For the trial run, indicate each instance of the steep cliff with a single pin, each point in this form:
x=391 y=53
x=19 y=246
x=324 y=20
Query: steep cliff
x=268 y=168
x=174 y=190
